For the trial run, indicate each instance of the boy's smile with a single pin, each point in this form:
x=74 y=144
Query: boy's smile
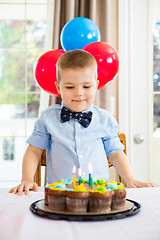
x=78 y=87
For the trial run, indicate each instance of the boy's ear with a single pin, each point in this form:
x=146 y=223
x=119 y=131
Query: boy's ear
x=57 y=87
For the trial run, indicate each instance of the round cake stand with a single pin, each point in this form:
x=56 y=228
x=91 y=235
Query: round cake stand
x=43 y=212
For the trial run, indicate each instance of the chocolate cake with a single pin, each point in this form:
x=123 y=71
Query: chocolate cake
x=56 y=199
x=103 y=197
x=77 y=201
x=118 y=199
x=99 y=202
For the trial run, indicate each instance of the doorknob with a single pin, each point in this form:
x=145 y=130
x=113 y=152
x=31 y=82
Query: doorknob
x=138 y=138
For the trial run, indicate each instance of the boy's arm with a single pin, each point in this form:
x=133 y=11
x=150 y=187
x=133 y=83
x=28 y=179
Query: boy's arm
x=121 y=164
x=30 y=163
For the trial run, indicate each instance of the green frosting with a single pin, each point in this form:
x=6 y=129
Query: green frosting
x=100 y=188
x=84 y=180
x=100 y=181
x=60 y=181
x=80 y=190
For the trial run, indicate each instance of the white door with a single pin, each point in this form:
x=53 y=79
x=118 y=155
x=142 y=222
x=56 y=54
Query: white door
x=135 y=89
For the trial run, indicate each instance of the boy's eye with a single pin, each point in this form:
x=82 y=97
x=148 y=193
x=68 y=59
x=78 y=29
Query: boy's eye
x=86 y=86
x=69 y=87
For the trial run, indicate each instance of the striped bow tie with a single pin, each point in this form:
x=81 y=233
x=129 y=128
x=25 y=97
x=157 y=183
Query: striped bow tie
x=83 y=118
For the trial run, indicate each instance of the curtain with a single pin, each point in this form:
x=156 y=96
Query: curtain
x=105 y=14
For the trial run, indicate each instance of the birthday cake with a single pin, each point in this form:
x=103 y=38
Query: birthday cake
x=100 y=197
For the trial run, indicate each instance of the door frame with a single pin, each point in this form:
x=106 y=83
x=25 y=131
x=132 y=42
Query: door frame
x=130 y=37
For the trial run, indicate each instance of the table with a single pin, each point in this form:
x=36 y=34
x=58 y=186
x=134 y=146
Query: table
x=17 y=222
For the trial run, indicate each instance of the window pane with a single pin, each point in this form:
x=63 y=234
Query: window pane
x=12 y=33
x=156 y=67
x=12 y=70
x=11 y=170
x=36 y=25
x=33 y=105
x=156 y=111
x=32 y=57
x=12 y=113
x=12 y=106
x=156 y=76
x=156 y=31
x=33 y=109
x=12 y=25
x=8 y=149
x=156 y=81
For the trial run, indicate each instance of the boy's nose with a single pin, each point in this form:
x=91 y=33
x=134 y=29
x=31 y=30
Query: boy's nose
x=79 y=91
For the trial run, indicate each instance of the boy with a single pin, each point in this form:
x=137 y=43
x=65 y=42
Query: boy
x=76 y=132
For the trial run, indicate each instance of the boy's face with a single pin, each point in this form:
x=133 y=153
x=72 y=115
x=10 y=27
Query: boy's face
x=78 y=87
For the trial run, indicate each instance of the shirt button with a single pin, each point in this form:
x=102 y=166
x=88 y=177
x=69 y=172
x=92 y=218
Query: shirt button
x=79 y=140
x=81 y=156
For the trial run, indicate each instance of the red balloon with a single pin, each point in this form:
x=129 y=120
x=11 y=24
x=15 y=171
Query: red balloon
x=107 y=59
x=45 y=70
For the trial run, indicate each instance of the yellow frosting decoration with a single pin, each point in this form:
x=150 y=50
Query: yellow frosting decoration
x=57 y=189
x=80 y=188
x=55 y=184
x=120 y=187
x=98 y=191
x=112 y=182
x=103 y=185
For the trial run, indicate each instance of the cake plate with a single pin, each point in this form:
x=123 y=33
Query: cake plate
x=39 y=208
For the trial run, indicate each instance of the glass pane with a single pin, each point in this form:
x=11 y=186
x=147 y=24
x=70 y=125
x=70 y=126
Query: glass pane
x=8 y=149
x=10 y=170
x=12 y=106
x=33 y=110
x=156 y=67
x=36 y=25
x=156 y=111
x=12 y=70
x=156 y=31
x=32 y=57
x=12 y=113
x=156 y=76
x=156 y=81
x=30 y=126
x=33 y=105
x=12 y=25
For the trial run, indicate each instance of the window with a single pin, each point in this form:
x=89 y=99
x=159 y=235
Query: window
x=22 y=38
x=156 y=74
x=8 y=149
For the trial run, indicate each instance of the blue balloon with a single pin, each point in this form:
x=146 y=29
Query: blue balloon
x=79 y=32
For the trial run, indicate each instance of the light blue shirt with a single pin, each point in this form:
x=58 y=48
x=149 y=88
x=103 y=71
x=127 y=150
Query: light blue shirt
x=70 y=144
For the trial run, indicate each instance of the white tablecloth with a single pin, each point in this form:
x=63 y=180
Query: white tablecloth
x=17 y=222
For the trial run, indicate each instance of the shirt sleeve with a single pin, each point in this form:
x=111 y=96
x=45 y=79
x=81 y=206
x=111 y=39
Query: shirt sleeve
x=111 y=142
x=40 y=137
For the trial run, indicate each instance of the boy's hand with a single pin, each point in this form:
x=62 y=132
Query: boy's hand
x=138 y=184
x=24 y=186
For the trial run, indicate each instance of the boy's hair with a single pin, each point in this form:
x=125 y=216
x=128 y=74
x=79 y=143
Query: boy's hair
x=73 y=60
